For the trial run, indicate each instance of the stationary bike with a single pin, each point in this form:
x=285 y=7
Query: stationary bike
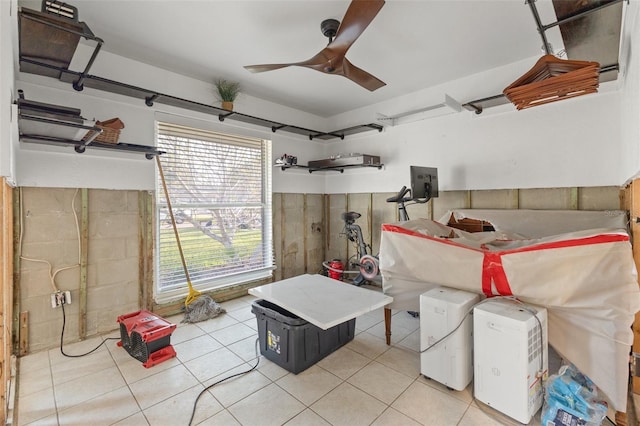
x=401 y=198
x=365 y=261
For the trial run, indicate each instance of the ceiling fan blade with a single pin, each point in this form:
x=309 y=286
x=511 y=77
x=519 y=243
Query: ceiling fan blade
x=357 y=18
x=318 y=62
x=331 y=59
x=360 y=76
x=265 y=67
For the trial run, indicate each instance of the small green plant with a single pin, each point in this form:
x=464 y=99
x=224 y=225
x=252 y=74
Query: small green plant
x=227 y=90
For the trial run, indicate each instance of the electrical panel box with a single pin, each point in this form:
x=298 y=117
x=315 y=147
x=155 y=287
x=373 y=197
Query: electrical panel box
x=449 y=362
x=510 y=356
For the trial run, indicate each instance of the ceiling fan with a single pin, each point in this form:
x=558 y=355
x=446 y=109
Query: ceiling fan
x=331 y=59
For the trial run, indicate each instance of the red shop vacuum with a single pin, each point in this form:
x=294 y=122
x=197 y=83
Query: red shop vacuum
x=146 y=337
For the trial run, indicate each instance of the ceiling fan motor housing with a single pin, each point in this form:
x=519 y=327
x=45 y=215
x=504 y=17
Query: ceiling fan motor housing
x=329 y=28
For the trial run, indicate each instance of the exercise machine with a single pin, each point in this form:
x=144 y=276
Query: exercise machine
x=363 y=261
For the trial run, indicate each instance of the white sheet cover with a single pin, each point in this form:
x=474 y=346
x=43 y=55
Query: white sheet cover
x=542 y=223
x=587 y=280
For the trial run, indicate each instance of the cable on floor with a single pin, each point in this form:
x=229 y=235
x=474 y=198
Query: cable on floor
x=195 y=403
x=64 y=320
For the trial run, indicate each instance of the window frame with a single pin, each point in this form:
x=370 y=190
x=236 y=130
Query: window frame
x=268 y=265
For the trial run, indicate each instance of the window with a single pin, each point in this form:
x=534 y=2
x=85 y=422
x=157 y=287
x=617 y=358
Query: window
x=220 y=192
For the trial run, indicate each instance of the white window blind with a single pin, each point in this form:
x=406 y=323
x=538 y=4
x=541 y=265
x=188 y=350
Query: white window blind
x=220 y=192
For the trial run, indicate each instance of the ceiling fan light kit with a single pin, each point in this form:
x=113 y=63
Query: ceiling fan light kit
x=552 y=79
x=331 y=59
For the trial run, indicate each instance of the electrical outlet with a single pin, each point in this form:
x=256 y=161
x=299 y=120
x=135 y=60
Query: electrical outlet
x=60 y=297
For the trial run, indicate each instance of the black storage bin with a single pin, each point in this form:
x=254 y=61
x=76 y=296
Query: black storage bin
x=294 y=343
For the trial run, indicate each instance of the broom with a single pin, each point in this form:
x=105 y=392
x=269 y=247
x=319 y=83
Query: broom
x=198 y=306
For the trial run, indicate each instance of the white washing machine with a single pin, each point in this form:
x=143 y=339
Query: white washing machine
x=449 y=362
x=510 y=356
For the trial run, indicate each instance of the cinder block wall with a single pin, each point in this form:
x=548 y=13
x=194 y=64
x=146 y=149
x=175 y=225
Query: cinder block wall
x=50 y=234
x=307 y=231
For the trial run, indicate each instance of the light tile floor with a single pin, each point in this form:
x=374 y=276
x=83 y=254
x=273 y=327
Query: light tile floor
x=365 y=382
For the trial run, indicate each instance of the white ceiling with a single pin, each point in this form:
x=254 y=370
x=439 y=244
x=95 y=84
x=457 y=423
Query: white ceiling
x=410 y=45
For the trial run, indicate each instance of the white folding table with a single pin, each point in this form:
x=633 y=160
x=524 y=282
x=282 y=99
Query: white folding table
x=322 y=301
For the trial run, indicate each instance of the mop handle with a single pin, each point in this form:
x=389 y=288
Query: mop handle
x=173 y=220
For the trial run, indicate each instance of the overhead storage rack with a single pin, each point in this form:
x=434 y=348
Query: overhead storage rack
x=47 y=44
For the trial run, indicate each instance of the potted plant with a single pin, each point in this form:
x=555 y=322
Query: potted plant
x=227 y=92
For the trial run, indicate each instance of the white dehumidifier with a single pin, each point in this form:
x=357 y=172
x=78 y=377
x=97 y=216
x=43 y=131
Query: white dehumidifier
x=449 y=362
x=510 y=356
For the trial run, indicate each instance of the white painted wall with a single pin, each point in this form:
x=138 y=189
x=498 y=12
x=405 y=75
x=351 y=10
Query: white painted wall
x=570 y=143
x=52 y=166
x=587 y=141
x=7 y=123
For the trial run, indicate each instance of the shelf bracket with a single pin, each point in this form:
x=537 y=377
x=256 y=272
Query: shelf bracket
x=274 y=128
x=79 y=84
x=221 y=117
x=311 y=136
x=377 y=127
x=337 y=135
x=477 y=109
x=150 y=99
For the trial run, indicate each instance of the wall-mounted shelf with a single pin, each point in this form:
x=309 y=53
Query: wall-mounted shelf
x=62 y=126
x=148 y=152
x=336 y=163
x=150 y=97
x=340 y=169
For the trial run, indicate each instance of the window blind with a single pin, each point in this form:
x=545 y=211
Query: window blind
x=220 y=192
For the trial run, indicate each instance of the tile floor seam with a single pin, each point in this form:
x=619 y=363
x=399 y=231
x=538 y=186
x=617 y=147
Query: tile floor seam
x=297 y=399
x=388 y=404
x=319 y=415
x=369 y=361
x=128 y=385
x=53 y=388
x=464 y=414
x=195 y=401
x=160 y=401
x=234 y=417
x=214 y=398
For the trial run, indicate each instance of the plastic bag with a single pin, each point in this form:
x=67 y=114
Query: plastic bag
x=571 y=399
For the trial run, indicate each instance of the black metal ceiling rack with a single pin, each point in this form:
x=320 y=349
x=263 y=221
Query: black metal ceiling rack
x=81 y=79
x=59 y=69
x=479 y=105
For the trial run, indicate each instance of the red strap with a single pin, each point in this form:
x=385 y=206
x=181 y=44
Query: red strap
x=492 y=270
